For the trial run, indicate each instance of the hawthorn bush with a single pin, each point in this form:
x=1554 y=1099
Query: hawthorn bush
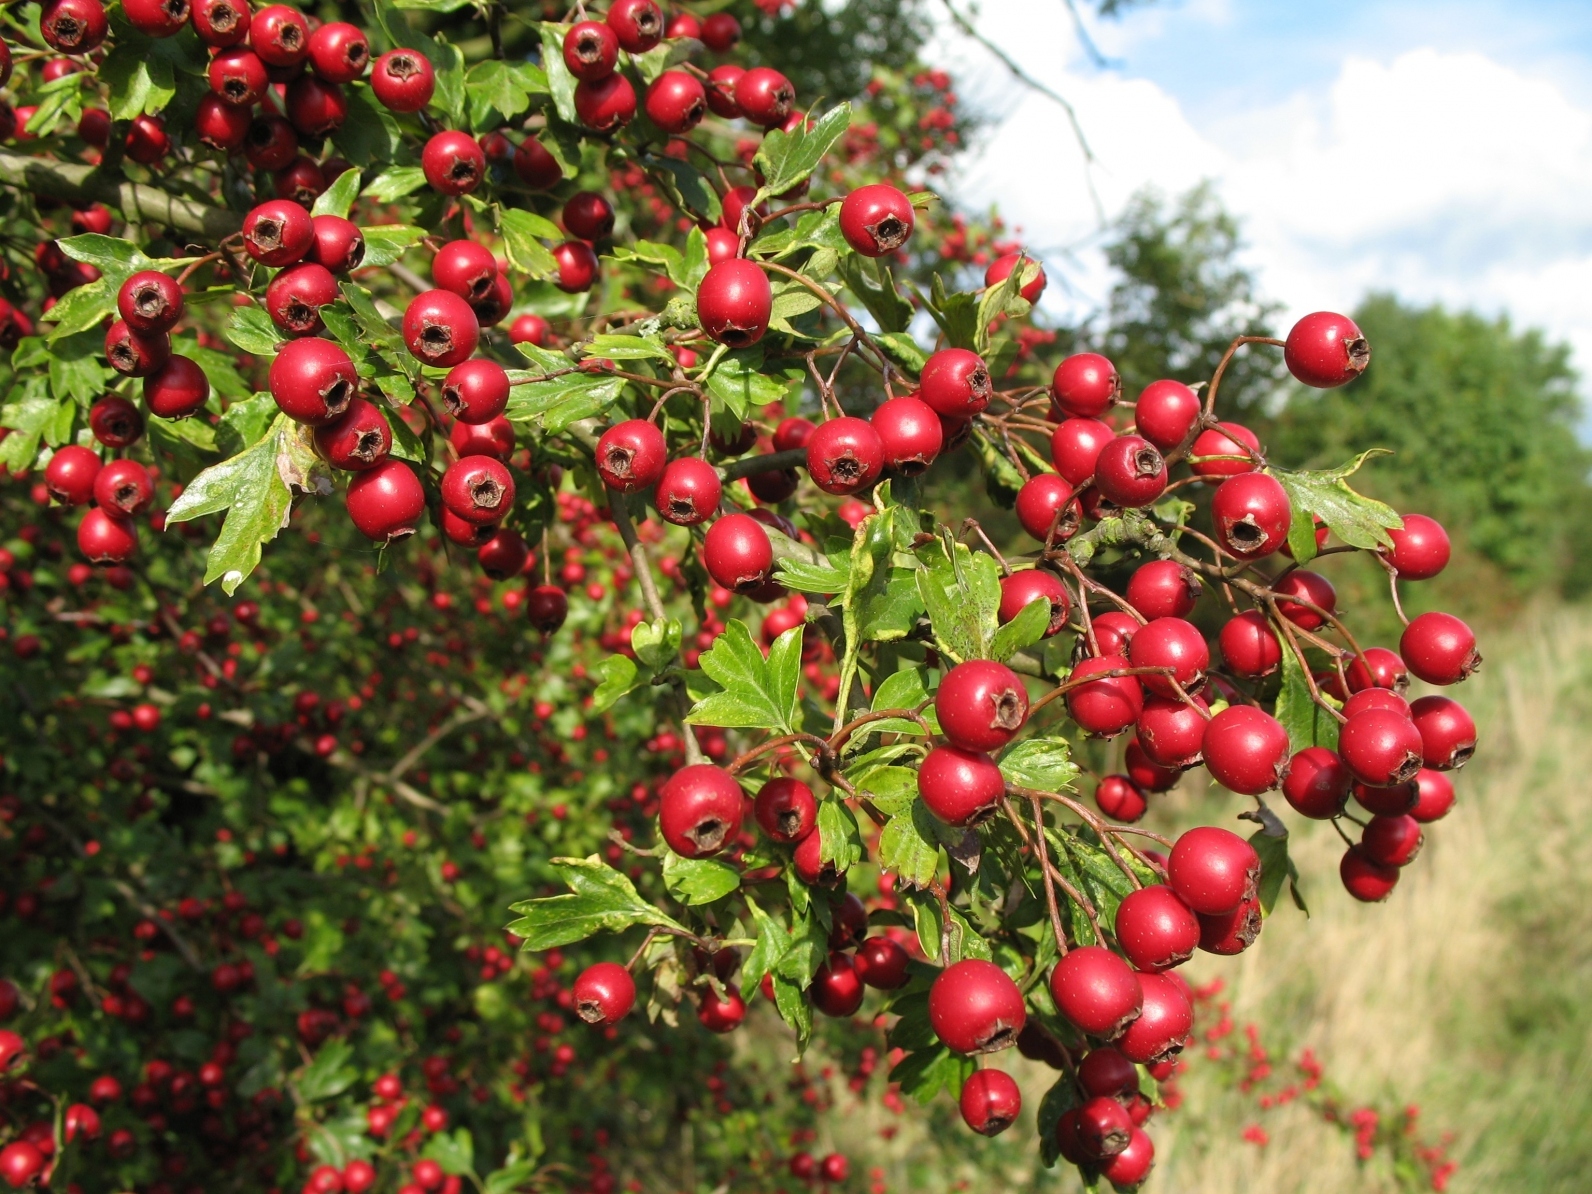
x=628 y=673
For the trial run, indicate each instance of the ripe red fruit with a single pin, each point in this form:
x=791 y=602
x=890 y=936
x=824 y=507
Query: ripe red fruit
x=453 y=162
x=124 y=487
x=1213 y=870
x=631 y=455
x=1129 y=472
x=315 y=108
x=1436 y=796
x=238 y=78
x=220 y=23
x=73 y=26
x=150 y=302
x=385 y=502
x=476 y=391
x=1106 y=706
x=278 y=232
x=676 y=102
x=1096 y=990
x=440 y=329
x=1105 y=1074
x=1085 y=386
x=1421 y=550
x=302 y=182
x=20 y=1163
x=736 y=202
x=1163 y=589
x=1392 y=841
x=132 y=354
x=577 y=267
x=105 y=539
x=604 y=993
x=588 y=216
x=1120 y=799
x=358 y=440
x=737 y=553
x=1381 y=748
x=156 y=18
x=1021 y=589
x=734 y=303
x=1392 y=801
x=295 y=297
x=876 y=219
x=765 y=97
x=547 y=607
x=786 y=809
x=975 y=1007
x=465 y=268
x=1170 y=643
x=1376 y=698
x=403 y=80
x=700 y=810
x=844 y=455
x=688 y=491
x=1439 y=648
x=1001 y=268
x=71 y=473
x=981 y=705
x=1165 y=413
x=220 y=125
x=883 y=964
x=271 y=142
x=280 y=35
x=1172 y=732
x=495 y=439
x=1232 y=932
x=116 y=422
x=1156 y=929
x=177 y=389
x=990 y=1102
x=1104 y=1128
x=1252 y=515
x=1378 y=668
x=605 y=105
x=721 y=32
x=478 y=489
x=1307 y=589
x=1318 y=783
x=339 y=52
x=1046 y=509
x=503 y=556
x=529 y=329
x=960 y=787
x=1128 y=1169
x=1364 y=878
x=81 y=1120
x=955 y=383
x=1165 y=1019
x=1326 y=350
x=837 y=988
x=591 y=50
x=313 y=381
x=1448 y=735
x=1075 y=446
x=909 y=434
x=721 y=90
x=1246 y=750
x=1225 y=450
x=637 y=23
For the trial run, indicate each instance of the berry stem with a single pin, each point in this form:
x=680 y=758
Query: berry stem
x=1216 y=378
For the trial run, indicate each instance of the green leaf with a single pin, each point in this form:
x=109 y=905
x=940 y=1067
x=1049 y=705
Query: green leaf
x=503 y=88
x=187 y=444
x=619 y=677
x=329 y=1074
x=251 y=329
x=1276 y=868
x=600 y=900
x=961 y=590
x=455 y=1153
x=794 y=1009
x=741 y=383
x=431 y=5
x=1004 y=298
x=557 y=402
x=245 y=423
x=1307 y=723
x=903 y=350
x=1302 y=536
x=559 y=81
x=686 y=187
x=139 y=74
x=773 y=939
x=1026 y=629
x=839 y=838
x=83 y=307
x=1099 y=878
x=807 y=577
x=338 y=198
x=369 y=135
x=875 y=287
x=76 y=371
x=910 y=843
x=627 y=348
x=913 y=1029
x=1356 y=519
x=511 y=1177
x=786 y=160
x=33 y=418
x=757 y=693
x=889 y=789
x=394 y=183
x=1059 y=1099
x=695 y=881
x=526 y=253
x=447 y=61
x=957 y=314
x=1044 y=764
x=922 y=1074
x=386 y=243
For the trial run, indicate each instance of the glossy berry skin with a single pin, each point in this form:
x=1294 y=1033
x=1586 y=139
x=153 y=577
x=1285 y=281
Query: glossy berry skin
x=1096 y=990
x=1213 y=870
x=844 y=455
x=220 y=23
x=440 y=328
x=604 y=993
x=1246 y=750
x=1128 y=1169
x=1380 y=748
x=591 y=50
x=1421 y=550
x=529 y=329
x=1163 y=589
x=386 y=502
x=237 y=77
x=134 y=355
x=1109 y=705
x=876 y=219
x=605 y=105
x=909 y=434
x=1085 y=386
x=476 y=391
x=883 y=964
x=721 y=32
x=1104 y=1128
x=280 y=35
x=313 y=381
x=676 y=102
x=577 y=267
x=990 y=1102
x=765 y=97
x=71 y=473
x=1224 y=450
x=588 y=215
x=1325 y=350
x=339 y=52
x=1376 y=698
x=315 y=109
x=1378 y=668
x=1130 y=473
x=177 y=389
x=720 y=90
x=699 y=810
x=465 y=268
x=1105 y=1074
x=1170 y=643
x=1435 y=796
x=1439 y=648
x=547 y=607
x=271 y=143
x=737 y=554
x=1318 y=783
x=785 y=809
x=1120 y=799
x=637 y=23
x=220 y=125
x=1021 y=589
x=1046 y=509
x=734 y=303
x=1448 y=735
x=106 y=539
x=1364 y=878
x=478 y=489
x=975 y=1007
x=150 y=302
x=688 y=492
x=981 y=705
x=955 y=383
x=73 y=26
x=124 y=487
x=20 y=1163
x=1252 y=515
x=278 y=232
x=1075 y=447
x=1156 y=929
x=503 y=556
x=1231 y=933
x=1308 y=589
x=1392 y=801
x=301 y=181
x=960 y=787
x=294 y=298
x=403 y=80
x=1165 y=1019
x=358 y=440
x=116 y=422
x=631 y=455
x=1001 y=268
x=535 y=167
x=453 y=163
x=1166 y=413
x=1392 y=841
x=837 y=988
x=1172 y=732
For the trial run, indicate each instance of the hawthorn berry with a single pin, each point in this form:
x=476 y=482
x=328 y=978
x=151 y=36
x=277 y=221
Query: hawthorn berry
x=1130 y=473
x=1435 y=796
x=20 y=1163
x=591 y=50
x=116 y=422
x=960 y=787
x=547 y=607
x=1104 y=1128
x=1120 y=799
x=106 y=539
x=1439 y=648
x=339 y=52
x=1326 y=350
x=270 y=143
x=975 y=1007
x=478 y=489
x=808 y=862
x=1225 y=450
x=1172 y=731
x=676 y=102
x=1002 y=267
x=220 y=23
x=150 y=303
x=1318 y=782
x=1085 y=386
x=588 y=216
x=313 y=381
x=1448 y=735
x=1165 y=1019
x=1165 y=414
x=737 y=553
x=1252 y=515
x=1129 y=1168
x=1108 y=705
x=1075 y=446
x=721 y=32
x=1392 y=801
x=605 y=105
x=1301 y=591
x=909 y=435
x=124 y=487
x=535 y=166
x=358 y=439
x=637 y=23
x=278 y=232
x=1381 y=748
x=403 y=80
x=294 y=298
x=220 y=125
x=1046 y=509
x=844 y=455
x=1156 y=929
x=177 y=389
x=1213 y=870
x=1246 y=750
x=453 y=163
x=1364 y=878
x=1420 y=550
x=476 y=391
x=1021 y=589
x=720 y=88
x=1175 y=644
x=1096 y=990
x=1392 y=841
x=385 y=502
x=465 y=268
x=877 y=219
x=699 y=810
x=71 y=474
x=785 y=809
x=315 y=108
x=734 y=303
x=1378 y=667
x=73 y=26
x=883 y=964
x=1231 y=933
x=577 y=267
x=990 y=1102
x=440 y=329
x=604 y=993
x=981 y=705
x=1376 y=698
x=1105 y=1074
x=1163 y=589
x=956 y=383
x=765 y=97
x=688 y=491
x=280 y=35
x=837 y=988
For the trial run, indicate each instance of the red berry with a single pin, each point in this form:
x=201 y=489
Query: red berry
x=440 y=329
x=1376 y=698
x=1156 y=929
x=604 y=993
x=786 y=810
x=700 y=810
x=1163 y=589
x=1308 y=589
x=386 y=502
x=721 y=32
x=1225 y=450
x=1170 y=643
x=1096 y=990
x=1104 y=1128
x=339 y=52
x=955 y=383
x=1021 y=589
x=588 y=215
x=1085 y=386
x=313 y=381
x=124 y=487
x=73 y=26
x=1318 y=783
x=503 y=556
x=1001 y=268
x=453 y=163
x=837 y=988
x=981 y=705
x=358 y=440
x=637 y=23
x=1378 y=668
x=478 y=489
x=1120 y=799
x=1165 y=413
x=220 y=23
x=591 y=50
x=734 y=303
x=315 y=109
x=1439 y=648
x=1130 y=473
x=1246 y=750
x=1364 y=878
x=71 y=473
x=844 y=455
x=1164 y=1022
x=1231 y=933
x=465 y=268
x=295 y=297
x=1075 y=446
x=1326 y=350
x=631 y=455
x=278 y=232
x=547 y=607
x=676 y=102
x=877 y=219
x=1392 y=801
x=1128 y=1169
x=1046 y=509
x=1109 y=705
x=1420 y=550
x=1392 y=841
x=116 y=422
x=1381 y=748
x=1213 y=870
x=721 y=90
x=106 y=539
x=737 y=554
x=280 y=35
x=975 y=1007
x=605 y=105
x=220 y=125
x=177 y=389
x=20 y=1163
x=1448 y=735
x=1252 y=515
x=765 y=97
x=883 y=964
x=1436 y=796
x=238 y=77
x=1105 y=1074
x=132 y=354
x=960 y=787
x=909 y=434
x=688 y=491
x=476 y=391
x=529 y=329
x=1172 y=732
x=577 y=267
x=990 y=1102
x=271 y=143
x=150 y=303
x=403 y=80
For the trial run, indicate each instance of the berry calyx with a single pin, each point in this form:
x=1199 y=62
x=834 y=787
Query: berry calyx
x=699 y=810
x=990 y=1102
x=1252 y=515
x=631 y=455
x=478 y=489
x=150 y=302
x=981 y=705
x=844 y=455
x=956 y=383
x=877 y=219
x=604 y=993
x=786 y=810
x=440 y=329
